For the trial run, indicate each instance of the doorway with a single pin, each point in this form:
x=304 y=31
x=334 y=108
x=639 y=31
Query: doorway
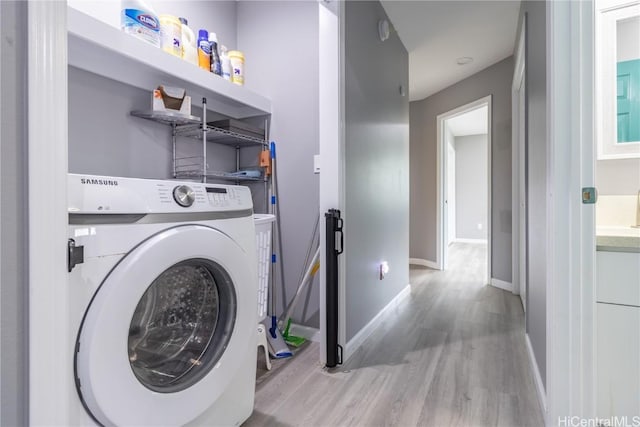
x=464 y=179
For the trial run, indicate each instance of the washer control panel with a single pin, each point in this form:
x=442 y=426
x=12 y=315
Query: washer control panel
x=210 y=196
x=218 y=196
x=96 y=194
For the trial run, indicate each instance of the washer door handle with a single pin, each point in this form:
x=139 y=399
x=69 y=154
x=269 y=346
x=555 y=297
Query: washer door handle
x=75 y=254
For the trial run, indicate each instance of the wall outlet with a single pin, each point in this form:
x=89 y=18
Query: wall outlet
x=383 y=269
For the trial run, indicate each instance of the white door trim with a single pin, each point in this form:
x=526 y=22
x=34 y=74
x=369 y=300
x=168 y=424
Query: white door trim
x=517 y=173
x=50 y=352
x=441 y=170
x=571 y=230
x=331 y=135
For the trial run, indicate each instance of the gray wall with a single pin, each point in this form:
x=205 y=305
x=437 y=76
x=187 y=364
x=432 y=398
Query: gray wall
x=14 y=283
x=536 y=107
x=280 y=42
x=471 y=186
x=104 y=139
x=618 y=177
x=376 y=168
x=496 y=81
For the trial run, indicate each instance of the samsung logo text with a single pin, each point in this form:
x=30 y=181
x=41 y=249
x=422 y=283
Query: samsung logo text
x=92 y=181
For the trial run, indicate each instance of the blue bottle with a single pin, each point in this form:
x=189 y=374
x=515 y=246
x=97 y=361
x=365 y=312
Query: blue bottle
x=204 y=50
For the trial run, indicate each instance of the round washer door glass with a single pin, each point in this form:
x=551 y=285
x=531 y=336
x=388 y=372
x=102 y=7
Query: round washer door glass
x=164 y=334
x=181 y=325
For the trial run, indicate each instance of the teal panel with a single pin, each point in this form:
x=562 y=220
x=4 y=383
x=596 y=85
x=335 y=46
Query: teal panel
x=623 y=127
x=628 y=100
x=623 y=86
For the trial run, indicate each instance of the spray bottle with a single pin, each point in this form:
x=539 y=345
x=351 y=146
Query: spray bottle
x=216 y=67
x=225 y=63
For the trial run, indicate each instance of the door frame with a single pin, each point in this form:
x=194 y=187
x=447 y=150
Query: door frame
x=518 y=168
x=47 y=162
x=570 y=290
x=441 y=217
x=331 y=147
x=451 y=195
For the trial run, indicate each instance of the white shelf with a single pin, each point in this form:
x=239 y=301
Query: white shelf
x=99 y=48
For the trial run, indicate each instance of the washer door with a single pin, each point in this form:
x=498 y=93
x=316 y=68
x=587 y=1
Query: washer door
x=164 y=333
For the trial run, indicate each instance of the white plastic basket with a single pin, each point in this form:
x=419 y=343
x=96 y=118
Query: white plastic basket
x=263 y=223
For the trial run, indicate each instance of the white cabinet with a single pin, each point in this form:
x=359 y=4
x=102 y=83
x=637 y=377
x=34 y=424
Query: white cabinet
x=618 y=361
x=618 y=277
x=618 y=334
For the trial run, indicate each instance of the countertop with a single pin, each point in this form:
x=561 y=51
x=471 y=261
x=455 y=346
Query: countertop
x=617 y=239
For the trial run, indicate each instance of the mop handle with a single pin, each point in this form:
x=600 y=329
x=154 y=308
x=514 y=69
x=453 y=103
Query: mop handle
x=305 y=280
x=274 y=189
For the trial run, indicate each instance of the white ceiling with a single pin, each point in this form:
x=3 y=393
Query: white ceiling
x=436 y=33
x=472 y=123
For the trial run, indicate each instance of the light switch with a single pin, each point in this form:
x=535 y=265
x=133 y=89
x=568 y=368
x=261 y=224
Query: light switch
x=316 y=163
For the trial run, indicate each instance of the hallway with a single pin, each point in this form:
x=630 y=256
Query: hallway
x=453 y=353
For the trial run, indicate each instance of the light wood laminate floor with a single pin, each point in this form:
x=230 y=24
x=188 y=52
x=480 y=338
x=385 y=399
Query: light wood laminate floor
x=452 y=354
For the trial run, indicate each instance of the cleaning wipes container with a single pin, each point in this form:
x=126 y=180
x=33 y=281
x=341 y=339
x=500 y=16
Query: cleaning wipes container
x=171 y=35
x=237 y=66
x=139 y=19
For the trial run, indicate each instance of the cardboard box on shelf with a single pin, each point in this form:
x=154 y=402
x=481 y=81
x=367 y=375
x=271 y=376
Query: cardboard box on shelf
x=171 y=99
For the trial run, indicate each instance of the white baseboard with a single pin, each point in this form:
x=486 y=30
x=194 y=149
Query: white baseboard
x=364 y=333
x=306 y=332
x=424 y=263
x=501 y=284
x=542 y=394
x=470 y=240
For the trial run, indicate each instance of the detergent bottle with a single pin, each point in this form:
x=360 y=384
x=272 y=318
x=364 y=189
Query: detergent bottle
x=189 y=48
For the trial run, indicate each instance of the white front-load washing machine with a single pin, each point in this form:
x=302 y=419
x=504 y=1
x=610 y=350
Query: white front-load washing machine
x=163 y=288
